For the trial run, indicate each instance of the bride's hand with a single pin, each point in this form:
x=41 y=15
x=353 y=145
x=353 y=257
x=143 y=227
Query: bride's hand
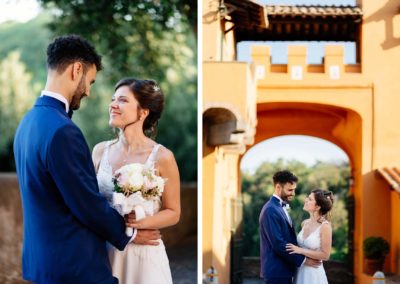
x=139 y=224
x=291 y=248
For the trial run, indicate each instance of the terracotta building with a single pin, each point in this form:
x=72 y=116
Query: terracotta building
x=353 y=106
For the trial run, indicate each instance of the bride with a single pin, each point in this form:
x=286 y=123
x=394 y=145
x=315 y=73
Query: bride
x=315 y=237
x=135 y=110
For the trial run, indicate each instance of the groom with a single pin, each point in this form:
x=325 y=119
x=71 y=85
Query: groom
x=276 y=230
x=66 y=220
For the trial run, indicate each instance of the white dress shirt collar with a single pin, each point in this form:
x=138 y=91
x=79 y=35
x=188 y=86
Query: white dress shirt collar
x=280 y=199
x=57 y=97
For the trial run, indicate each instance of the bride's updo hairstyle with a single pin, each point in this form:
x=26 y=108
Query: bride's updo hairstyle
x=324 y=199
x=149 y=96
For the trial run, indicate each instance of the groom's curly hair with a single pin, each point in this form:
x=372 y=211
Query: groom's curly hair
x=69 y=49
x=283 y=177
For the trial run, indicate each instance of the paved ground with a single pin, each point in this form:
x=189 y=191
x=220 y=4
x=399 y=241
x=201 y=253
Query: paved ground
x=389 y=280
x=183 y=261
x=252 y=281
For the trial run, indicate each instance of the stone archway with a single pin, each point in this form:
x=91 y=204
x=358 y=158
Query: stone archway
x=338 y=125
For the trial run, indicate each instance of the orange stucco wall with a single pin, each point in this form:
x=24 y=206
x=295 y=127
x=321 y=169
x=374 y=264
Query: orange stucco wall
x=355 y=108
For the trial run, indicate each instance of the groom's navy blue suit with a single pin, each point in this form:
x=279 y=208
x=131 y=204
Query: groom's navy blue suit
x=66 y=220
x=277 y=265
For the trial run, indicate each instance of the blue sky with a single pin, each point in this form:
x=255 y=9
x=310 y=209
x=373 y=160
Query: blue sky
x=17 y=10
x=292 y=147
x=315 y=51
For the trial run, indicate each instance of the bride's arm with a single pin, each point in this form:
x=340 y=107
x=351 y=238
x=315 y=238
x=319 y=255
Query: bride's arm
x=171 y=210
x=326 y=245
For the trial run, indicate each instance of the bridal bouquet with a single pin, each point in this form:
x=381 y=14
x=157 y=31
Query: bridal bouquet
x=136 y=188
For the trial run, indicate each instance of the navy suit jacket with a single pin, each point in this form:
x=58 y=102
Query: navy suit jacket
x=66 y=220
x=275 y=233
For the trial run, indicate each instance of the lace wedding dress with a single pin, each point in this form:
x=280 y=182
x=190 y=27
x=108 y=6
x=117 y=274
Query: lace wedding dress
x=307 y=274
x=136 y=264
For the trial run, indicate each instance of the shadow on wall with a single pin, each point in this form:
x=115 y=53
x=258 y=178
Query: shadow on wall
x=11 y=226
x=387 y=13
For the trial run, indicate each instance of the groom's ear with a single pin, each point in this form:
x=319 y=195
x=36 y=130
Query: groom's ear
x=77 y=71
x=279 y=187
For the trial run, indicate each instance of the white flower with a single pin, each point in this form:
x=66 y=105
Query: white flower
x=129 y=169
x=149 y=183
x=136 y=167
x=136 y=180
x=160 y=183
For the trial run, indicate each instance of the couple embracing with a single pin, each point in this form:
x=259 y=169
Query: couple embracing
x=285 y=257
x=73 y=232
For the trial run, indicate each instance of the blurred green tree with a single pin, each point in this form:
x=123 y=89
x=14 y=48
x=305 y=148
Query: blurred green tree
x=144 y=39
x=31 y=40
x=16 y=97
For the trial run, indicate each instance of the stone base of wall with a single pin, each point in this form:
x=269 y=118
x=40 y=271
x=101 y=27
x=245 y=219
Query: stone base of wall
x=11 y=229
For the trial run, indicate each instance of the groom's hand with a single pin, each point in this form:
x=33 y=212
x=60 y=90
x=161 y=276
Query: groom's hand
x=147 y=237
x=130 y=218
x=312 y=262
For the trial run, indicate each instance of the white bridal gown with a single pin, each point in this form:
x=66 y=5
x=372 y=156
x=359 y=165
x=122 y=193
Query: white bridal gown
x=136 y=264
x=307 y=274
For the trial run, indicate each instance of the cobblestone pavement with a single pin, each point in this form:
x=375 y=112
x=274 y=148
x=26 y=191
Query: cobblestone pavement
x=183 y=261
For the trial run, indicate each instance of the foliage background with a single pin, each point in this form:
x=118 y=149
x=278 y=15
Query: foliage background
x=142 y=39
x=258 y=188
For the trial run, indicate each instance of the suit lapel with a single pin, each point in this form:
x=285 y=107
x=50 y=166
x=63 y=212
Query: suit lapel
x=281 y=211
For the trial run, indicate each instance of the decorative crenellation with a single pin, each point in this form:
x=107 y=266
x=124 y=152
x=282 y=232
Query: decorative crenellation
x=297 y=66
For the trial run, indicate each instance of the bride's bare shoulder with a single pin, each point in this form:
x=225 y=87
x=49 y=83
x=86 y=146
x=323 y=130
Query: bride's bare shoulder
x=165 y=159
x=99 y=148
x=98 y=151
x=164 y=155
x=326 y=224
x=304 y=222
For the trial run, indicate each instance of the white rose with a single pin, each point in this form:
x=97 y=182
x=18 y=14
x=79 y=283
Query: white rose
x=122 y=170
x=160 y=183
x=135 y=168
x=136 y=180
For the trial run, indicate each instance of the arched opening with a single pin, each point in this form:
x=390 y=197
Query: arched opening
x=335 y=125
x=319 y=164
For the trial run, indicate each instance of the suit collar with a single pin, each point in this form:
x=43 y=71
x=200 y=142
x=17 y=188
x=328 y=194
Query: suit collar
x=276 y=200
x=58 y=97
x=51 y=102
x=277 y=203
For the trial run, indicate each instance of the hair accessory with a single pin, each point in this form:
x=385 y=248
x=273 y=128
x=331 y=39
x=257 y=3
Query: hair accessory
x=156 y=88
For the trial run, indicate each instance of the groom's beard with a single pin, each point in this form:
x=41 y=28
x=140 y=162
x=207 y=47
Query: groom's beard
x=79 y=93
x=286 y=198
